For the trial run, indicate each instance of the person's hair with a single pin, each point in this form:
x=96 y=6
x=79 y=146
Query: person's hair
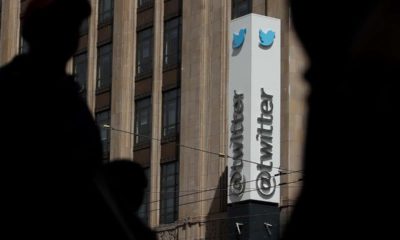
x=48 y=21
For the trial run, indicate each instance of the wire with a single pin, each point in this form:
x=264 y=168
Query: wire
x=200 y=150
x=214 y=198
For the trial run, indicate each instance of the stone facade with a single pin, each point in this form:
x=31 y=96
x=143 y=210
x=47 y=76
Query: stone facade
x=203 y=87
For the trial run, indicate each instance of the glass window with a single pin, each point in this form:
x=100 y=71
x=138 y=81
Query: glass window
x=143 y=211
x=172 y=42
x=103 y=121
x=104 y=67
x=83 y=30
x=144 y=58
x=80 y=71
x=142 y=121
x=23 y=45
x=171 y=113
x=169 y=192
x=240 y=8
x=144 y=3
x=106 y=9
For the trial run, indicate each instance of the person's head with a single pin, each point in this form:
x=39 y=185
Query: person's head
x=127 y=182
x=51 y=27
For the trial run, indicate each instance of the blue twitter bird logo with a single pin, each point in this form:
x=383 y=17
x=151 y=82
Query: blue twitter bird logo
x=238 y=39
x=267 y=39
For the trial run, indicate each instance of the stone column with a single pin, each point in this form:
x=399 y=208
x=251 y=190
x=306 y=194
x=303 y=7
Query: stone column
x=203 y=114
x=155 y=154
x=10 y=24
x=122 y=79
x=92 y=56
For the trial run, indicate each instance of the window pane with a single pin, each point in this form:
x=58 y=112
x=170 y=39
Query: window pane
x=144 y=51
x=106 y=9
x=169 y=195
x=172 y=42
x=240 y=8
x=104 y=67
x=142 y=120
x=170 y=112
x=143 y=212
x=144 y=3
x=80 y=71
x=103 y=119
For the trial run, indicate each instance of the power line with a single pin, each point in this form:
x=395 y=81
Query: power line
x=222 y=155
x=195 y=191
x=214 y=198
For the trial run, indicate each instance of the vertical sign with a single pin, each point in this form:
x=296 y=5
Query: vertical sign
x=254 y=109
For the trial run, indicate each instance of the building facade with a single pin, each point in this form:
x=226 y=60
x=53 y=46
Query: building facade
x=155 y=73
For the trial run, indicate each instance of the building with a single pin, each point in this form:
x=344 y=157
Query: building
x=155 y=73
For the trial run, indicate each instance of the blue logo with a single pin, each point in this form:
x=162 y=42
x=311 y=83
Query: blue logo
x=267 y=39
x=238 y=39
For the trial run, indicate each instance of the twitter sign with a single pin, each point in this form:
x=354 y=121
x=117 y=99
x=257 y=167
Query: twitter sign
x=238 y=39
x=266 y=38
x=254 y=103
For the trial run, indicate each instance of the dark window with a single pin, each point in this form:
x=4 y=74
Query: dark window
x=104 y=67
x=171 y=113
x=23 y=45
x=80 y=72
x=172 y=42
x=142 y=121
x=143 y=211
x=240 y=8
x=144 y=3
x=83 y=30
x=106 y=9
x=169 y=193
x=103 y=121
x=144 y=58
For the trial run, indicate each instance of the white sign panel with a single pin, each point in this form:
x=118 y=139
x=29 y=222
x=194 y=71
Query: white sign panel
x=254 y=109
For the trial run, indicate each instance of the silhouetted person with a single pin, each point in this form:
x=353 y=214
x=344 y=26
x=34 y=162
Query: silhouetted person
x=123 y=183
x=51 y=144
x=350 y=177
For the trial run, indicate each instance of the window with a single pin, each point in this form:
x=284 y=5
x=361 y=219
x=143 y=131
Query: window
x=106 y=8
x=144 y=58
x=144 y=3
x=104 y=67
x=103 y=121
x=83 y=30
x=142 y=121
x=172 y=42
x=23 y=45
x=143 y=211
x=169 y=193
x=240 y=8
x=171 y=113
x=80 y=72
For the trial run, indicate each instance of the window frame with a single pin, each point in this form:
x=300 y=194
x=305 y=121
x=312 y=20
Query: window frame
x=140 y=61
x=169 y=30
x=145 y=4
x=81 y=58
x=143 y=106
x=170 y=98
x=168 y=190
x=236 y=13
x=103 y=129
x=144 y=209
x=102 y=18
x=102 y=85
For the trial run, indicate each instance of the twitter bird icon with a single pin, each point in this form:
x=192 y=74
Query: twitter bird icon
x=267 y=39
x=238 y=39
